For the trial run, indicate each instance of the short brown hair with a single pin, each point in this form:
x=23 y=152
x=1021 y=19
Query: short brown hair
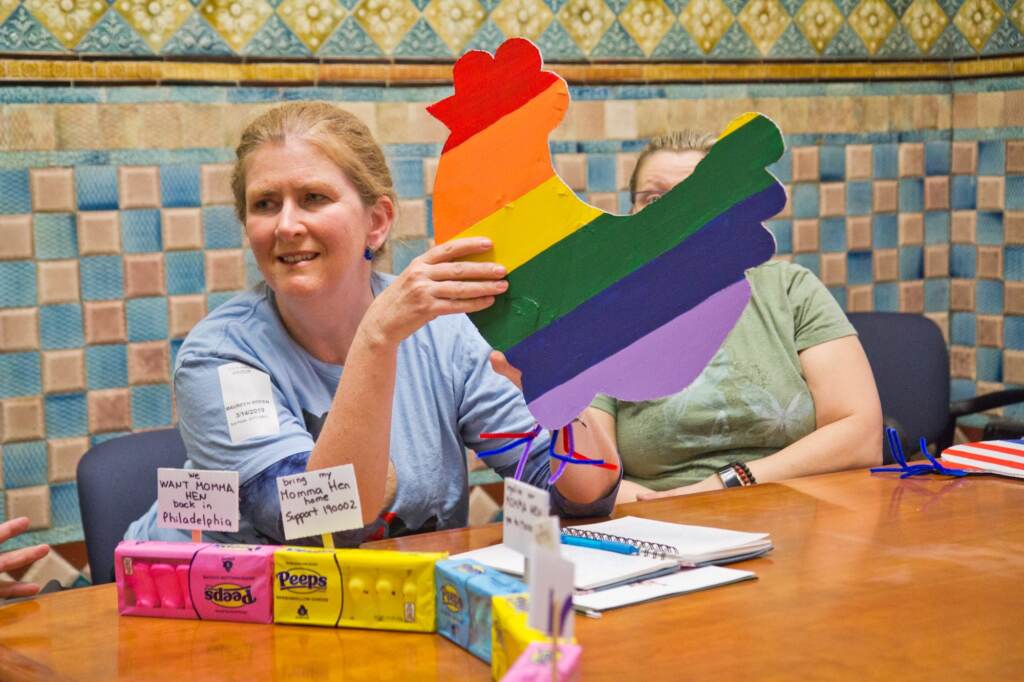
x=337 y=133
x=685 y=140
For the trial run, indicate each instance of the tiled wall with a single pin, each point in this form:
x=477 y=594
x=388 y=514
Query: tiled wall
x=566 y=30
x=117 y=235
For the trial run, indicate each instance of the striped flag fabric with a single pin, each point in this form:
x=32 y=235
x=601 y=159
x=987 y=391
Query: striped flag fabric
x=1004 y=457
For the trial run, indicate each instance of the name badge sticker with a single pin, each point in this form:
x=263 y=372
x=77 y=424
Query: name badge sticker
x=197 y=499
x=248 y=402
x=319 y=502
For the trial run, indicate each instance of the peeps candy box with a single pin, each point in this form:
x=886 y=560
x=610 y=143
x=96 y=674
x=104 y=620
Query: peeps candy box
x=510 y=635
x=534 y=665
x=357 y=588
x=232 y=582
x=307 y=586
x=481 y=590
x=153 y=578
x=388 y=590
x=453 y=598
x=464 y=591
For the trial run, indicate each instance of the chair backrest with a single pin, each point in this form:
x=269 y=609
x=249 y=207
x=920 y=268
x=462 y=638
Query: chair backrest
x=116 y=485
x=910 y=361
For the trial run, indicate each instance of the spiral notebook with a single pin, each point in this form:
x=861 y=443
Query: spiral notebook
x=664 y=548
x=688 y=546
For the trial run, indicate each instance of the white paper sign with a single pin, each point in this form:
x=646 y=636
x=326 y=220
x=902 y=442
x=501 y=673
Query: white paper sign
x=551 y=579
x=197 y=499
x=548 y=533
x=248 y=402
x=524 y=506
x=320 y=501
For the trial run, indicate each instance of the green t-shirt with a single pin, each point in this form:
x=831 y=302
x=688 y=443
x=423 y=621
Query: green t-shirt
x=749 y=402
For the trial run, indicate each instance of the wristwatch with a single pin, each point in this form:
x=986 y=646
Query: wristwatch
x=729 y=477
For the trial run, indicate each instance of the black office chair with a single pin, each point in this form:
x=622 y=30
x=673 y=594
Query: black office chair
x=116 y=485
x=910 y=361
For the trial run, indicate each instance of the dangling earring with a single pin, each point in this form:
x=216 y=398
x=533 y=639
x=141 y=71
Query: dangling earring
x=368 y=253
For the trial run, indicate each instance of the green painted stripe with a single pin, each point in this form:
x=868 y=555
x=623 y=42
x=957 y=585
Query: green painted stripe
x=610 y=247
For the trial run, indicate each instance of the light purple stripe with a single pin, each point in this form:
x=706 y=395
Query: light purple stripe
x=656 y=365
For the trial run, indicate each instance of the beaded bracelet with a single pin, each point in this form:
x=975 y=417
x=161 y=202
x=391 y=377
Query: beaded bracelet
x=744 y=473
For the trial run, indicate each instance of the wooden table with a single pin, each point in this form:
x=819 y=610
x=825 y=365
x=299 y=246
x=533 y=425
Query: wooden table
x=871 y=578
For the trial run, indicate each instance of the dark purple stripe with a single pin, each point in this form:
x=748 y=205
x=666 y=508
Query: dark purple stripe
x=661 y=363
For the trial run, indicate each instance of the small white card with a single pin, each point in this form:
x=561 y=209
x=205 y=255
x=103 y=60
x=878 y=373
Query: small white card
x=548 y=533
x=551 y=580
x=320 y=501
x=524 y=506
x=248 y=402
x=197 y=499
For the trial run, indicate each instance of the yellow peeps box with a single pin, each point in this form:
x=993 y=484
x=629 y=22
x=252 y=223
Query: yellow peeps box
x=387 y=590
x=307 y=586
x=510 y=635
x=356 y=588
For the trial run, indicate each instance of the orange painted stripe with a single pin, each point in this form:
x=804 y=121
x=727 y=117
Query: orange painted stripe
x=497 y=165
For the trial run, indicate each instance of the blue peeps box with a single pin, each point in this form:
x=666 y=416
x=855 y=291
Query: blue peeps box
x=464 y=591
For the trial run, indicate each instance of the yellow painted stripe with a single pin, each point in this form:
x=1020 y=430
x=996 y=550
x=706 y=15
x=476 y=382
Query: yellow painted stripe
x=523 y=228
x=738 y=123
x=86 y=70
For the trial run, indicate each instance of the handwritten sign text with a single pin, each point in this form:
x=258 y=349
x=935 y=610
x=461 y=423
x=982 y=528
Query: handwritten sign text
x=320 y=501
x=525 y=506
x=197 y=499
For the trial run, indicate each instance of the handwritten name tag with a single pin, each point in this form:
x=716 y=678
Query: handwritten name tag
x=197 y=499
x=318 y=502
x=525 y=506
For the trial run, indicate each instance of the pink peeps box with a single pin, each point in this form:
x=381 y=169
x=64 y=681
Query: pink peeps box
x=233 y=582
x=534 y=665
x=153 y=578
x=190 y=580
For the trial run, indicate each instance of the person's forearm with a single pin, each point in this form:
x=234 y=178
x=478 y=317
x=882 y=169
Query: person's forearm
x=848 y=443
x=585 y=482
x=358 y=429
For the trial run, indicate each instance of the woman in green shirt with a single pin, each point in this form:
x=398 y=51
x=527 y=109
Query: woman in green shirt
x=789 y=394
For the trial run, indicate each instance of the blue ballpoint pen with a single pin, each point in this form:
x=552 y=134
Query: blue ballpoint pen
x=605 y=545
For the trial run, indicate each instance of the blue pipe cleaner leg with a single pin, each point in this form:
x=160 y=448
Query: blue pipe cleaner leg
x=938 y=465
x=893 y=439
x=497 y=451
x=897 y=451
x=562 y=464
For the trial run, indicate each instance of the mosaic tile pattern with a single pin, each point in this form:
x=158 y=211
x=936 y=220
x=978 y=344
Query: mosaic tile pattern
x=567 y=30
x=117 y=233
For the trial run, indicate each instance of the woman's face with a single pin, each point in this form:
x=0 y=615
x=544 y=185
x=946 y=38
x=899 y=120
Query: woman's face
x=306 y=223
x=660 y=172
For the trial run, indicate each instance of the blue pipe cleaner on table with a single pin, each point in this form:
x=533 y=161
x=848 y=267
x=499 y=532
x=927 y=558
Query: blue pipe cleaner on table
x=906 y=470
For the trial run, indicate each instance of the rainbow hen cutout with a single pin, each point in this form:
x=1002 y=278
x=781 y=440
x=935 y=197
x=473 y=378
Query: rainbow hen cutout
x=631 y=306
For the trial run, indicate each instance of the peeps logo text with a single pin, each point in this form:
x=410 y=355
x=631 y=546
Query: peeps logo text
x=450 y=598
x=229 y=595
x=301 y=581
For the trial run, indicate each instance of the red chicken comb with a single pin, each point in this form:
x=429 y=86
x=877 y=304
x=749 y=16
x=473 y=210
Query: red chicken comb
x=487 y=88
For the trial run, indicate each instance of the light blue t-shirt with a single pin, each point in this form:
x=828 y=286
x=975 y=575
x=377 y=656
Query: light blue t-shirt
x=446 y=395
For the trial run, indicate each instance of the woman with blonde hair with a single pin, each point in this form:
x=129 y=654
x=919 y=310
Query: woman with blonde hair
x=327 y=362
